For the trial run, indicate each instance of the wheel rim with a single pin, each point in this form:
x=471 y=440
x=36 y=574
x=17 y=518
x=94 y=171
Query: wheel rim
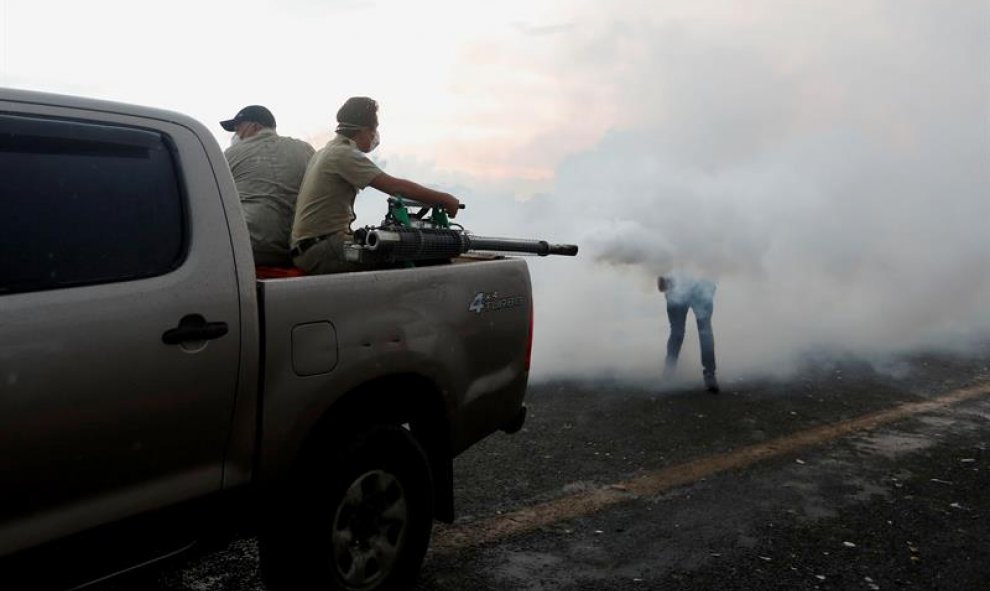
x=369 y=529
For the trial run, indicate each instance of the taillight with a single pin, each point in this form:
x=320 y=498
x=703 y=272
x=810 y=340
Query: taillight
x=529 y=338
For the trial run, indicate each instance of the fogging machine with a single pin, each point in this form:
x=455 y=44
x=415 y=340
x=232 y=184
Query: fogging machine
x=428 y=235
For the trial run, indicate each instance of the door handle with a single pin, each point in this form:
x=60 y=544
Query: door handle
x=193 y=327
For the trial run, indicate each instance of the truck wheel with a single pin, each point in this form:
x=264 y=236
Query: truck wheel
x=360 y=519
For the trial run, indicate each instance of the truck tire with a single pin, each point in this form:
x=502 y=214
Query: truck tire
x=357 y=519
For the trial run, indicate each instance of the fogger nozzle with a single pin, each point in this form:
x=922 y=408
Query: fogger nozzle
x=538 y=247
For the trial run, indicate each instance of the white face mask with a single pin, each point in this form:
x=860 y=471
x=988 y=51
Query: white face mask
x=235 y=139
x=375 y=141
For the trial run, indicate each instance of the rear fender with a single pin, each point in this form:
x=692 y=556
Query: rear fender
x=407 y=400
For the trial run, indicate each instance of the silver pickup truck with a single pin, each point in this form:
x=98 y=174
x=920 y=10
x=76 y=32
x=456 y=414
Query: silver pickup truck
x=155 y=393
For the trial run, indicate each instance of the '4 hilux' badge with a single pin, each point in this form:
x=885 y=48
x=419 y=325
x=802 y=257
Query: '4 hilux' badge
x=488 y=302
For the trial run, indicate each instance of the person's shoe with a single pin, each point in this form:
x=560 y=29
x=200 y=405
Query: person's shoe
x=711 y=384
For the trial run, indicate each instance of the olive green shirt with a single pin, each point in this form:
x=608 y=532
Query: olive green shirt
x=268 y=170
x=326 y=199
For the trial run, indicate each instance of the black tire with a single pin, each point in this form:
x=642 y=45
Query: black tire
x=358 y=517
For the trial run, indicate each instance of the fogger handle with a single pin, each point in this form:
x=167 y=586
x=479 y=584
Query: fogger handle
x=413 y=203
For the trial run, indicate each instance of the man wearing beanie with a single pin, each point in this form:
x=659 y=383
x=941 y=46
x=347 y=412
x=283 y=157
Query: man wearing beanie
x=325 y=208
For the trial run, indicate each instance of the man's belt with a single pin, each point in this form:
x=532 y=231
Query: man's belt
x=306 y=244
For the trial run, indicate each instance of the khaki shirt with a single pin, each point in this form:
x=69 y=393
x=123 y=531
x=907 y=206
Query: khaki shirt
x=268 y=170
x=326 y=199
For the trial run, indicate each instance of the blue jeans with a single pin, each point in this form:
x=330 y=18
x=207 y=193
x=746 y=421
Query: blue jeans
x=677 y=314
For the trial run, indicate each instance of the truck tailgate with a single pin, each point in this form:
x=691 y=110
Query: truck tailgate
x=465 y=327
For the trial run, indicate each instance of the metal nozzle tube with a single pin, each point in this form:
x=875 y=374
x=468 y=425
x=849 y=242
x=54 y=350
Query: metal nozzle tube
x=539 y=247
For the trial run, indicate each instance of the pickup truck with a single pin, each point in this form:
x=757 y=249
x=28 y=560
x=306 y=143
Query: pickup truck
x=156 y=394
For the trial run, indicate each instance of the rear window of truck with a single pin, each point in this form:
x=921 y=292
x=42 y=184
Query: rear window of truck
x=83 y=203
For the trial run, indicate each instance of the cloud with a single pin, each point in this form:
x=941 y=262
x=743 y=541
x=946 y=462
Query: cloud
x=539 y=30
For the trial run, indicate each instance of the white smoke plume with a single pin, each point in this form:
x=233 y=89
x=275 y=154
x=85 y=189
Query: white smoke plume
x=828 y=165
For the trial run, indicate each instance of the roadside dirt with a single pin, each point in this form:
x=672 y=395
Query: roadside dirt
x=846 y=476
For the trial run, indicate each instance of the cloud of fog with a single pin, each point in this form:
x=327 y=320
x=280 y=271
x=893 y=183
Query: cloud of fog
x=829 y=165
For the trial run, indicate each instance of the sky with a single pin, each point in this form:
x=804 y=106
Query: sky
x=827 y=163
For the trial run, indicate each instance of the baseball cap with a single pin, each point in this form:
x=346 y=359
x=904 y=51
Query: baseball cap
x=255 y=113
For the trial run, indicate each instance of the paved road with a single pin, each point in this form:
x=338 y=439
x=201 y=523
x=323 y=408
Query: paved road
x=844 y=476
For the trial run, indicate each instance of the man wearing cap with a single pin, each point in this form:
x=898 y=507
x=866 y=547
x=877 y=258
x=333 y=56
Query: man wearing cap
x=268 y=169
x=339 y=170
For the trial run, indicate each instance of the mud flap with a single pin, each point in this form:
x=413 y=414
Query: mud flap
x=516 y=423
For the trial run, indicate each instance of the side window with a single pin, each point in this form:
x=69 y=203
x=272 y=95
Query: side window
x=83 y=204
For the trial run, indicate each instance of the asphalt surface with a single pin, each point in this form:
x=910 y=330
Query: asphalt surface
x=846 y=475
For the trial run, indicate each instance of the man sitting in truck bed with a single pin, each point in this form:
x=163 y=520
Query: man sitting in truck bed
x=268 y=169
x=325 y=208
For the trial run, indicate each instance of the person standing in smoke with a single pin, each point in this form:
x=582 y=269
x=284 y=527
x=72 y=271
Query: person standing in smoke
x=684 y=292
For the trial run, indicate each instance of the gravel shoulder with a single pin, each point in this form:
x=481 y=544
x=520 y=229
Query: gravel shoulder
x=903 y=506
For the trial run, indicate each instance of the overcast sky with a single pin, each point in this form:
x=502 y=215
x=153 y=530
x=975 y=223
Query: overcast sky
x=828 y=163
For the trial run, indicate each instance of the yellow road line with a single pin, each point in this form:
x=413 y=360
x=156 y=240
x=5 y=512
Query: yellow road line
x=576 y=505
